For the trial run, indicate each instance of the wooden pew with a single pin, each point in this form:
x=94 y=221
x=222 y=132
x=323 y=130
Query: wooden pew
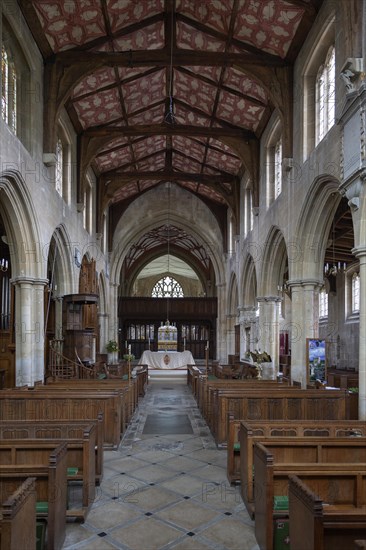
x=271 y=480
x=80 y=456
x=298 y=449
x=285 y=403
x=317 y=525
x=258 y=430
x=66 y=404
x=207 y=391
x=58 y=429
x=128 y=391
x=18 y=518
x=51 y=488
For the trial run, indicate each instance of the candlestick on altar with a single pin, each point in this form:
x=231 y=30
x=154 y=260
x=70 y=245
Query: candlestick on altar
x=149 y=344
x=184 y=344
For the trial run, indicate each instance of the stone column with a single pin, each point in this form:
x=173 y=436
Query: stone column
x=221 y=345
x=269 y=328
x=29 y=330
x=305 y=324
x=360 y=253
x=113 y=308
x=247 y=318
x=230 y=334
x=103 y=329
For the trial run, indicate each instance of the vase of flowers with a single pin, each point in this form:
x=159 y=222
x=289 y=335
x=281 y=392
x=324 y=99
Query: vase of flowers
x=112 y=350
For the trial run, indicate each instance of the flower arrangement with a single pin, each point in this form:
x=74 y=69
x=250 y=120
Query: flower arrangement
x=129 y=357
x=111 y=346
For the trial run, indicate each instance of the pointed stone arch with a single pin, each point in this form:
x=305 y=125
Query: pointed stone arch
x=274 y=260
x=306 y=250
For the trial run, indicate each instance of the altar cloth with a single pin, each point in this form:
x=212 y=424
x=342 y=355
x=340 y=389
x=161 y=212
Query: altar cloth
x=167 y=359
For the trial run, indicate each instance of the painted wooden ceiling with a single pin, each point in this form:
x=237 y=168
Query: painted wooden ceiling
x=168 y=90
x=195 y=85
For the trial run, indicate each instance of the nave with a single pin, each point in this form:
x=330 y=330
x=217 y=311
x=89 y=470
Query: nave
x=166 y=486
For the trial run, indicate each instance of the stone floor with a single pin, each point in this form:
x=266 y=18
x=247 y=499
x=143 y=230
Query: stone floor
x=165 y=487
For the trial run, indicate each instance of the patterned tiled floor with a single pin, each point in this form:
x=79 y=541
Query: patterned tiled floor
x=165 y=488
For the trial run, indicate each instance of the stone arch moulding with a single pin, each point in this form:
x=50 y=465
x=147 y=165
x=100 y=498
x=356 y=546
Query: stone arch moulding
x=21 y=227
x=232 y=299
x=272 y=262
x=311 y=233
x=138 y=219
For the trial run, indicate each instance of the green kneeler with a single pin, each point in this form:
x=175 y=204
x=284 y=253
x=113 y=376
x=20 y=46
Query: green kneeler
x=281 y=539
x=42 y=507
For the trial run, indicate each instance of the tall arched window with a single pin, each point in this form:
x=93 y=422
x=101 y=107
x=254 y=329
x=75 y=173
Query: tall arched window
x=59 y=167
x=167 y=287
x=325 y=96
x=274 y=163
x=8 y=90
x=355 y=293
x=323 y=303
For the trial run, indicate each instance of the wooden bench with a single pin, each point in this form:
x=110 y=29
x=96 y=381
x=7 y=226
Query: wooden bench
x=80 y=462
x=58 y=429
x=329 y=480
x=51 y=491
x=317 y=525
x=285 y=403
x=18 y=518
x=66 y=404
x=258 y=430
x=297 y=449
x=128 y=391
x=207 y=391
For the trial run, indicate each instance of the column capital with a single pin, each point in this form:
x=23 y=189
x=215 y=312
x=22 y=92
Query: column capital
x=359 y=251
x=269 y=299
x=29 y=280
x=297 y=283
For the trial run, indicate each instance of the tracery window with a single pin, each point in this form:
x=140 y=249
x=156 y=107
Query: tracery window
x=325 y=95
x=278 y=168
x=8 y=90
x=323 y=303
x=355 y=293
x=59 y=166
x=167 y=287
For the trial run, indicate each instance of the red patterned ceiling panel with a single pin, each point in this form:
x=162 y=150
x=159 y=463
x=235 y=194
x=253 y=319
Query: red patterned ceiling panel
x=130 y=72
x=239 y=112
x=184 y=164
x=96 y=81
x=213 y=14
x=200 y=94
x=143 y=92
x=153 y=163
x=119 y=143
x=125 y=12
x=241 y=83
x=149 y=146
x=151 y=37
x=125 y=192
x=99 y=108
x=226 y=163
x=184 y=115
x=189 y=147
x=212 y=73
x=69 y=24
x=113 y=160
x=267 y=24
x=189 y=38
x=207 y=191
x=155 y=115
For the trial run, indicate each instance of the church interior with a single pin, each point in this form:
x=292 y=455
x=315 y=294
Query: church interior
x=183 y=274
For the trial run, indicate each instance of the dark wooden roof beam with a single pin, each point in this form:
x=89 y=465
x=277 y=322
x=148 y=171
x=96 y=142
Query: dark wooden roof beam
x=169 y=130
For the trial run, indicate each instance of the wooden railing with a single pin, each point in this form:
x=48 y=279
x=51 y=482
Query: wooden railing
x=60 y=366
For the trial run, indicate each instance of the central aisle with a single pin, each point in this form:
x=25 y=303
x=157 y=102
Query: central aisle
x=165 y=487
